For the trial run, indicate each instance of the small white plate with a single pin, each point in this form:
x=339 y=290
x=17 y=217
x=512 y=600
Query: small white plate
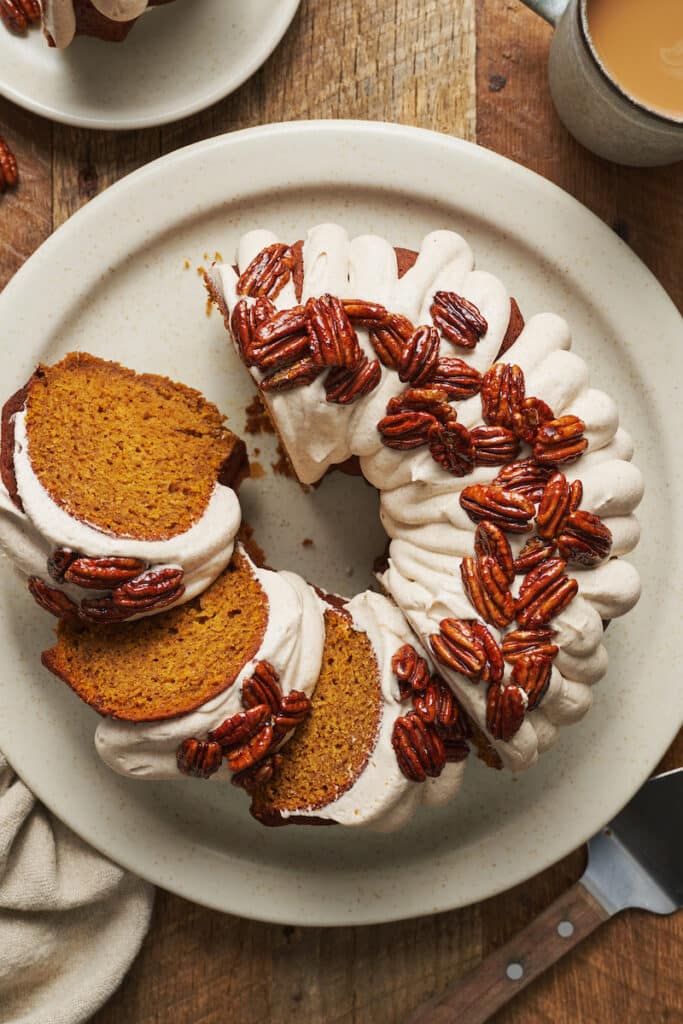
x=113 y=281
x=177 y=60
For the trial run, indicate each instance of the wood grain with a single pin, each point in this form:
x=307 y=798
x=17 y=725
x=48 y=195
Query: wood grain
x=419 y=62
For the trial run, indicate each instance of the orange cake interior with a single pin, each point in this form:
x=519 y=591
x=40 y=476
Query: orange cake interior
x=331 y=748
x=135 y=455
x=166 y=664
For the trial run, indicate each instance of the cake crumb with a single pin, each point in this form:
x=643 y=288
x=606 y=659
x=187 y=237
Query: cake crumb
x=258 y=421
x=217 y=257
x=307 y=542
x=256 y=470
x=186 y=264
x=257 y=451
x=209 y=307
x=282 y=466
x=201 y=271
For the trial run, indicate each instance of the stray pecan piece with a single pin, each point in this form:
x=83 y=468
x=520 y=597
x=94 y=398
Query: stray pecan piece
x=9 y=174
x=199 y=758
x=505 y=710
x=389 y=338
x=419 y=749
x=509 y=510
x=560 y=440
x=526 y=476
x=344 y=386
x=584 y=539
x=458 y=320
x=489 y=539
x=494 y=445
x=268 y=272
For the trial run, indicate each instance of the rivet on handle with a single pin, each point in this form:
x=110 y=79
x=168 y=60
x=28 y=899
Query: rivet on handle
x=565 y=929
x=514 y=971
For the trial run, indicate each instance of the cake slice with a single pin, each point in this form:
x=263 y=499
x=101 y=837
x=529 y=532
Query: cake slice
x=109 y=20
x=117 y=496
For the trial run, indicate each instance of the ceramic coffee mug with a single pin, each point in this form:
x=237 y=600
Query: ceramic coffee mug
x=592 y=105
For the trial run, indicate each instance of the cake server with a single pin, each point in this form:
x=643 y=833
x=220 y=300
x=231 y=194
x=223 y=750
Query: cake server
x=635 y=861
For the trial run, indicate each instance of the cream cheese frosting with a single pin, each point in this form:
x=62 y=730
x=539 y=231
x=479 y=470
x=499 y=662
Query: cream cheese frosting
x=430 y=533
x=60 y=16
x=31 y=536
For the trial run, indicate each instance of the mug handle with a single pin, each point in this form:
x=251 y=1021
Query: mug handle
x=551 y=10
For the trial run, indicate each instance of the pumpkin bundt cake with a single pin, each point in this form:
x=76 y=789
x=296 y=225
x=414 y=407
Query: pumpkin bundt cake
x=117 y=496
x=505 y=481
x=110 y=20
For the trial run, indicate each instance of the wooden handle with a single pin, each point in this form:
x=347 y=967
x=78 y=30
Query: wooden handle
x=508 y=970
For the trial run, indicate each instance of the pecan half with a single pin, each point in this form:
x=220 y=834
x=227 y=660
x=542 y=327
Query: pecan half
x=280 y=340
x=419 y=749
x=252 y=751
x=344 y=386
x=527 y=477
x=390 y=337
x=554 y=506
x=456 y=377
x=502 y=394
x=458 y=320
x=199 y=758
x=457 y=646
x=493 y=673
x=455 y=749
x=505 y=709
x=420 y=356
x=431 y=400
x=268 y=272
x=545 y=592
x=489 y=539
x=405 y=430
x=529 y=641
x=104 y=611
x=59 y=561
x=100 y=573
x=411 y=671
x=494 y=445
x=509 y=510
x=9 y=174
x=560 y=440
x=333 y=339
x=528 y=419
x=303 y=372
x=241 y=726
x=534 y=552
x=54 y=601
x=245 y=321
x=257 y=774
x=367 y=314
x=436 y=705
x=486 y=587
x=262 y=687
x=154 y=588
x=14 y=13
x=584 y=539
x=295 y=706
x=532 y=672
x=451 y=446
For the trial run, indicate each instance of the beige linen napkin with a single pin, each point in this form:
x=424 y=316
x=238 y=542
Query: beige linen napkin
x=71 y=923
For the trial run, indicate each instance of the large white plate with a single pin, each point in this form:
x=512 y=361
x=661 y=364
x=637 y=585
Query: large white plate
x=177 y=60
x=113 y=281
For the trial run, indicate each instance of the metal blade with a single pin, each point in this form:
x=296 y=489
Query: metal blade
x=637 y=860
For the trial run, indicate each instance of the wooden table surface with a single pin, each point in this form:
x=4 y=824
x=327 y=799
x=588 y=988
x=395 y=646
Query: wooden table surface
x=477 y=69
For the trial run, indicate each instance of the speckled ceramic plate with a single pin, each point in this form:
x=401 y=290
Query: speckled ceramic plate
x=177 y=60
x=126 y=287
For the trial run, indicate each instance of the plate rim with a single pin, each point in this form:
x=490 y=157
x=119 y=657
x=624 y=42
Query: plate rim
x=455 y=148
x=283 y=15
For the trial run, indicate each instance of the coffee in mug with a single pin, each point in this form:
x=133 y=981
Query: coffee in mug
x=640 y=45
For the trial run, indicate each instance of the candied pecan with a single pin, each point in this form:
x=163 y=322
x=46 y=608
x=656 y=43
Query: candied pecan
x=545 y=592
x=268 y=272
x=529 y=641
x=431 y=400
x=534 y=552
x=494 y=445
x=505 y=508
x=389 y=338
x=294 y=707
x=420 y=356
x=344 y=386
x=493 y=672
x=258 y=774
x=9 y=174
x=14 y=16
x=199 y=758
x=584 y=539
x=300 y=373
x=252 y=750
x=451 y=446
x=59 y=561
x=101 y=573
x=456 y=377
x=368 y=314
x=405 y=430
x=505 y=709
x=333 y=339
x=436 y=705
x=560 y=440
x=489 y=539
x=281 y=340
x=485 y=585
x=457 y=646
x=241 y=726
x=458 y=320
x=455 y=749
x=54 y=601
x=245 y=321
x=554 y=506
x=103 y=610
x=419 y=749
x=411 y=671
x=532 y=672
x=526 y=477
x=527 y=419
x=154 y=588
x=262 y=687
x=502 y=394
